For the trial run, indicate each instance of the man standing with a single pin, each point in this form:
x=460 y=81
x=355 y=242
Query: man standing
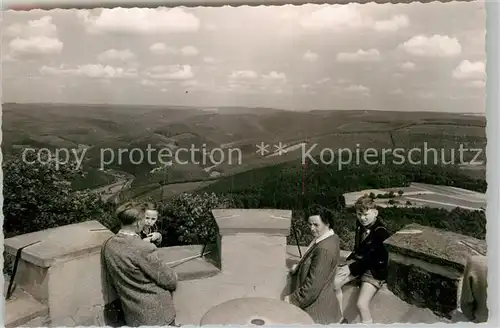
x=144 y=284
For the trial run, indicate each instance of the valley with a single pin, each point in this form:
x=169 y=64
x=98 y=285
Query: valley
x=109 y=129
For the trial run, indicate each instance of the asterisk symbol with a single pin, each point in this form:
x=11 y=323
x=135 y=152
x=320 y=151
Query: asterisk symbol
x=262 y=149
x=280 y=148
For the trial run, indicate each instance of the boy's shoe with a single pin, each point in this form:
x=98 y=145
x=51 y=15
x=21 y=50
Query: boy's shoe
x=344 y=321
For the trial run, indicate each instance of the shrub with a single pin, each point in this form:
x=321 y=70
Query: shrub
x=187 y=218
x=40 y=196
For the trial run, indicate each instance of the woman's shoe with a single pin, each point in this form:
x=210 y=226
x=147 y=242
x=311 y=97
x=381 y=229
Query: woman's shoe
x=344 y=321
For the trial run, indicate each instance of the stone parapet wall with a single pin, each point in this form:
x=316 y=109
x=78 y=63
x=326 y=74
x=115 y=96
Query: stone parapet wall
x=62 y=272
x=63 y=282
x=426 y=266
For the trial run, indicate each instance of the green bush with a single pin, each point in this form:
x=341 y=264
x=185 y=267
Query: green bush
x=187 y=218
x=39 y=196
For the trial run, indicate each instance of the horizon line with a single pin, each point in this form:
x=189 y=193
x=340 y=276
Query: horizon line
x=236 y=106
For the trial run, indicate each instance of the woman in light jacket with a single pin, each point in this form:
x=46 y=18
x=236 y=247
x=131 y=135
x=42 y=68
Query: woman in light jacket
x=313 y=277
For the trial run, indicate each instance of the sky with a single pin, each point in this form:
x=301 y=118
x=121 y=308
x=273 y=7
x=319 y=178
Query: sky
x=358 y=56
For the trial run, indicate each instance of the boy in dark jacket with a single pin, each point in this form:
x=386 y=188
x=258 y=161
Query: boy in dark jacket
x=369 y=259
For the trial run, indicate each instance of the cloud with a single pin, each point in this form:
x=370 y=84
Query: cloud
x=243 y=75
x=476 y=84
x=161 y=48
x=189 y=51
x=211 y=60
x=348 y=16
x=289 y=14
x=36 y=37
x=247 y=81
x=7 y=58
x=333 y=17
x=324 y=80
x=148 y=83
x=407 y=66
x=116 y=55
x=211 y=67
x=190 y=83
x=396 y=92
x=425 y=94
x=38 y=45
x=310 y=56
x=89 y=70
x=140 y=21
x=359 y=56
x=392 y=25
x=38 y=27
x=274 y=77
x=467 y=70
x=433 y=46
x=170 y=72
x=359 y=89
x=210 y=27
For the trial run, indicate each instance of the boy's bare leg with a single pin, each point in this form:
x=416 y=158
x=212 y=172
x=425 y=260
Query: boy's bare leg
x=365 y=296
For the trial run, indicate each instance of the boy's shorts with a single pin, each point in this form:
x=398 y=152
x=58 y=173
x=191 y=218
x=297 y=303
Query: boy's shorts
x=368 y=277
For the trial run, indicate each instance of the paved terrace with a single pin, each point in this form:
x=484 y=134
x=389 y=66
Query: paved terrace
x=251 y=259
x=421 y=195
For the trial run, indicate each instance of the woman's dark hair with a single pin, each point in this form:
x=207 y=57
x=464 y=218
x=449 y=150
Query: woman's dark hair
x=324 y=213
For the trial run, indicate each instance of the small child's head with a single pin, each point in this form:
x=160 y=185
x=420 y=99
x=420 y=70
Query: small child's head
x=366 y=210
x=150 y=214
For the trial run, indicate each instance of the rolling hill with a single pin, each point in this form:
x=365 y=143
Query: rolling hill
x=100 y=128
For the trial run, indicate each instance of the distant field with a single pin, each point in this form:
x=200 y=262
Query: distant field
x=171 y=190
x=126 y=127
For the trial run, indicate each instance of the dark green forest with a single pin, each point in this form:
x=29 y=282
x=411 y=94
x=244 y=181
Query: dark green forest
x=39 y=196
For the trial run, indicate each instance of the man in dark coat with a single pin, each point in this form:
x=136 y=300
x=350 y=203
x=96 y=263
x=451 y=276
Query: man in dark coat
x=144 y=284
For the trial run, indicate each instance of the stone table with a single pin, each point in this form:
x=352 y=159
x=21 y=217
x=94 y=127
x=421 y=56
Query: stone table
x=257 y=311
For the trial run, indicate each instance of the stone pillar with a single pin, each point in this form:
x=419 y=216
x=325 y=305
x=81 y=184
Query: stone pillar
x=426 y=266
x=252 y=249
x=63 y=270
